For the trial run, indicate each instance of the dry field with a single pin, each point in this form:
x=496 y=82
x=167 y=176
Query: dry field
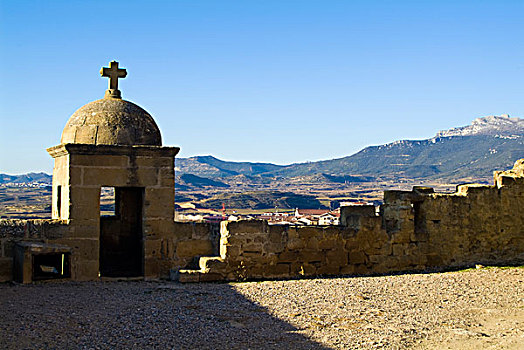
x=25 y=202
x=35 y=202
x=471 y=309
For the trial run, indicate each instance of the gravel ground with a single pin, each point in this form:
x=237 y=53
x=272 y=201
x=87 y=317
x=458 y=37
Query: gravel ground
x=472 y=309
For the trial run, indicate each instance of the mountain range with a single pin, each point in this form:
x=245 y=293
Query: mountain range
x=473 y=151
x=26 y=178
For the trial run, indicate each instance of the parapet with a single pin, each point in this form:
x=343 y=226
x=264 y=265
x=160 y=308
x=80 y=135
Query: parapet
x=509 y=177
x=350 y=215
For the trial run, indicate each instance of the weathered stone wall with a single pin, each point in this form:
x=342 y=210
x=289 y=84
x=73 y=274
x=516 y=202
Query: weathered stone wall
x=416 y=230
x=483 y=224
x=253 y=249
x=12 y=231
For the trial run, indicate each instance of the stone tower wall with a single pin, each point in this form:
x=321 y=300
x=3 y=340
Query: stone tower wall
x=81 y=171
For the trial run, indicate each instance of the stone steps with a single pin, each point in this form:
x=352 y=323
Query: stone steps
x=212 y=264
x=211 y=269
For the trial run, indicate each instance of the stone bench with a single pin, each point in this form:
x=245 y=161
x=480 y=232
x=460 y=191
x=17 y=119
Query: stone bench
x=35 y=261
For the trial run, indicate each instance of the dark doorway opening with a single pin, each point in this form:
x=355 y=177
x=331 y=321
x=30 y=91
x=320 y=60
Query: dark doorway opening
x=121 y=253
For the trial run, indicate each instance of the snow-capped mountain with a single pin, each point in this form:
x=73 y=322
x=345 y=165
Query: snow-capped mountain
x=502 y=125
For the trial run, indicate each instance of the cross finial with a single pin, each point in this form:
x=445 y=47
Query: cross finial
x=113 y=73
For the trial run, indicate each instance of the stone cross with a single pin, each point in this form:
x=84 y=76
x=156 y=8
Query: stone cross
x=113 y=73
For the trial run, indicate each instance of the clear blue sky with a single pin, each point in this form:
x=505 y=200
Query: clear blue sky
x=274 y=81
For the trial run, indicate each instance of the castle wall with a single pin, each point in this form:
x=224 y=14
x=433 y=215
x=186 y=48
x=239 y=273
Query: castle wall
x=479 y=224
x=186 y=242
x=416 y=230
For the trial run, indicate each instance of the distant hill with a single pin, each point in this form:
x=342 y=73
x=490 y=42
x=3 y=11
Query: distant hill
x=476 y=150
x=490 y=125
x=209 y=166
x=330 y=179
x=26 y=178
x=197 y=181
x=262 y=200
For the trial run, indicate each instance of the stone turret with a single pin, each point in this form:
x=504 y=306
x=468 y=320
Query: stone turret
x=114 y=143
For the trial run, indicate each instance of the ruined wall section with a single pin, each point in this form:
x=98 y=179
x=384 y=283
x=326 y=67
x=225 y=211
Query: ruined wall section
x=477 y=224
x=12 y=231
x=254 y=249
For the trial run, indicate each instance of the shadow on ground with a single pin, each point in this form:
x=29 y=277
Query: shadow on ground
x=123 y=315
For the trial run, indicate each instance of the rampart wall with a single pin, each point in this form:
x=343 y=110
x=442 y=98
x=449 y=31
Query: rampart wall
x=415 y=230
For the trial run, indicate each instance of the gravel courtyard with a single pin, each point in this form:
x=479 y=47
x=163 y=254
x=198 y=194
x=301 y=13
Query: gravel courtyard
x=472 y=309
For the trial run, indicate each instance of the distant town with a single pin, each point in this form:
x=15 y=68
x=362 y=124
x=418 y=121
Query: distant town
x=302 y=217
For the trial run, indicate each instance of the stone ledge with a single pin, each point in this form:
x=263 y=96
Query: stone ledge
x=76 y=148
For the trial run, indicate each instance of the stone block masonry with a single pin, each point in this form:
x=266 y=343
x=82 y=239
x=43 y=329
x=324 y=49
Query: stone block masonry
x=415 y=231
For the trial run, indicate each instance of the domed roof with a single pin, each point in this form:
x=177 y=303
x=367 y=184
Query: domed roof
x=111 y=121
